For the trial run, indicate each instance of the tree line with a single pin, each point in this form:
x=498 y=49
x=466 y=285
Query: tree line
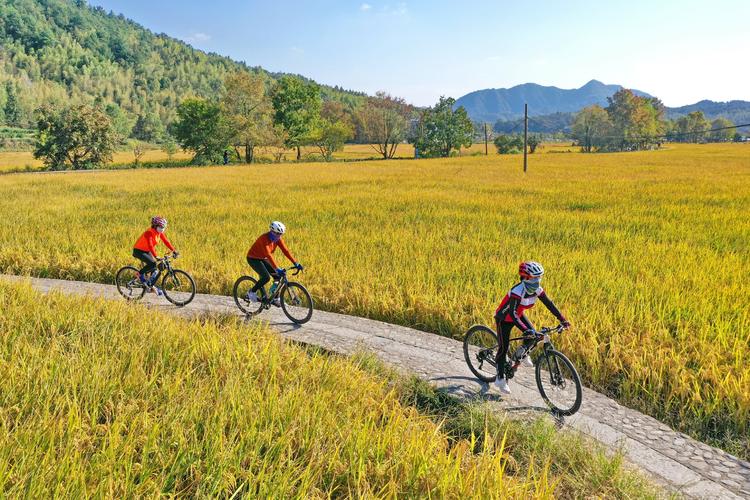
x=251 y=114
x=632 y=122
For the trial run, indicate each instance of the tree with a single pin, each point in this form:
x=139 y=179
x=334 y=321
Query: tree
x=636 y=121
x=148 y=128
x=122 y=124
x=248 y=111
x=78 y=137
x=533 y=142
x=296 y=107
x=201 y=129
x=591 y=127
x=12 y=110
x=508 y=144
x=383 y=123
x=169 y=147
x=330 y=136
x=724 y=135
x=443 y=129
x=691 y=128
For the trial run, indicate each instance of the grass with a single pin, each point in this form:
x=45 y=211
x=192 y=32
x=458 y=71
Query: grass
x=107 y=399
x=645 y=252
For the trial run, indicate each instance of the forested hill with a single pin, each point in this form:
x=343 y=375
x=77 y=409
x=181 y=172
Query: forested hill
x=67 y=51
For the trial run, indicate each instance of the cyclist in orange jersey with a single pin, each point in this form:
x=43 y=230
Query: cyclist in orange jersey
x=145 y=251
x=260 y=258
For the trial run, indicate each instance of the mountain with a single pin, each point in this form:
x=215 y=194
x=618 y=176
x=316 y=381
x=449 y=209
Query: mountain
x=736 y=111
x=491 y=105
x=64 y=51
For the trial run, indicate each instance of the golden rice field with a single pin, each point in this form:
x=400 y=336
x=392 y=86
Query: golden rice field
x=107 y=400
x=24 y=160
x=645 y=252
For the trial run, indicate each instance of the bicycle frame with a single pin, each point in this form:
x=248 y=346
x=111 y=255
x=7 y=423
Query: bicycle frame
x=283 y=280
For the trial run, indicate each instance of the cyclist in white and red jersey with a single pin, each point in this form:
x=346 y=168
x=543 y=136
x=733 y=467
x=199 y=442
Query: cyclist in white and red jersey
x=509 y=313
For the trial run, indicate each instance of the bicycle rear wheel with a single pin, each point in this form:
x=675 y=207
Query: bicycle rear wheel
x=128 y=283
x=558 y=383
x=296 y=303
x=178 y=287
x=480 y=349
x=241 y=288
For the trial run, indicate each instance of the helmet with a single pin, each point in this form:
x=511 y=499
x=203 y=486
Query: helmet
x=277 y=227
x=530 y=269
x=158 y=221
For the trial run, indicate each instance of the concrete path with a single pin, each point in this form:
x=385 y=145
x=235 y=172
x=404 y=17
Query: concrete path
x=676 y=461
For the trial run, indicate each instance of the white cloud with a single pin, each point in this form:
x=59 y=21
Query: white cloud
x=365 y=7
x=199 y=37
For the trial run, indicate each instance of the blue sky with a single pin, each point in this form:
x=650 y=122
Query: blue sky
x=680 y=51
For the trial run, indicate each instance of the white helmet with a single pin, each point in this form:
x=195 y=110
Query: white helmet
x=277 y=227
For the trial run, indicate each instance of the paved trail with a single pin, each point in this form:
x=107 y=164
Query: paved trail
x=675 y=460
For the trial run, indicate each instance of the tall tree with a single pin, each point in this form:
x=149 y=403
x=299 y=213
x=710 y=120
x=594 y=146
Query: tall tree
x=725 y=135
x=443 y=129
x=692 y=128
x=591 y=128
x=296 y=107
x=383 y=122
x=78 y=137
x=636 y=120
x=248 y=110
x=12 y=110
x=200 y=128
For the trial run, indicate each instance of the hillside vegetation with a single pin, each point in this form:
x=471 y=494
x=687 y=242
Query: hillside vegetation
x=106 y=400
x=644 y=252
x=63 y=52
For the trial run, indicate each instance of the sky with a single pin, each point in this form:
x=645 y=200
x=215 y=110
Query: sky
x=680 y=51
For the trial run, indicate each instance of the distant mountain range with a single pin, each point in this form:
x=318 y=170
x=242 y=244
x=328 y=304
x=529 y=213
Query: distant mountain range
x=552 y=108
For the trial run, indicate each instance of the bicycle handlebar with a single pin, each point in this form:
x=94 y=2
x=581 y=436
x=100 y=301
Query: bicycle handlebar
x=548 y=329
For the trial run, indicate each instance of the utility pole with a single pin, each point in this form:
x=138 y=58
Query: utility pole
x=525 y=134
x=485 y=140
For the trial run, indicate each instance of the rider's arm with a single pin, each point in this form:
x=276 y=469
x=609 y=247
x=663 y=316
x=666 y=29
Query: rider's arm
x=150 y=243
x=270 y=260
x=166 y=242
x=286 y=252
x=513 y=304
x=551 y=306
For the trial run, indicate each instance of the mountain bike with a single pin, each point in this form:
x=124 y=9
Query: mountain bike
x=292 y=297
x=556 y=377
x=178 y=286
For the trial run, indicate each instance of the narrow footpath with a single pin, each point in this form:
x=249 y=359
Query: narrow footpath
x=674 y=460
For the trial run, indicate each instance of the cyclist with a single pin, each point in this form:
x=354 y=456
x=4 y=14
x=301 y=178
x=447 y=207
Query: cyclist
x=145 y=251
x=509 y=313
x=260 y=258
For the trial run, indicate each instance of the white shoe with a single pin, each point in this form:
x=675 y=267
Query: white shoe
x=276 y=302
x=252 y=296
x=502 y=385
x=527 y=361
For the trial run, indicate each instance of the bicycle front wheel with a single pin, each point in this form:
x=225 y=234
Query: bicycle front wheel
x=178 y=287
x=480 y=350
x=241 y=288
x=128 y=283
x=296 y=303
x=558 y=383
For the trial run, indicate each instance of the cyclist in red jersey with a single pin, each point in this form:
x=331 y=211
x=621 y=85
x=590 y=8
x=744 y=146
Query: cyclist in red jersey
x=145 y=251
x=509 y=313
x=260 y=258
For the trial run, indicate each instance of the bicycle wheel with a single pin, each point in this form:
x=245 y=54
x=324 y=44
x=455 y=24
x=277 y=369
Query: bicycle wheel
x=296 y=303
x=480 y=349
x=178 y=287
x=558 y=382
x=128 y=283
x=241 y=287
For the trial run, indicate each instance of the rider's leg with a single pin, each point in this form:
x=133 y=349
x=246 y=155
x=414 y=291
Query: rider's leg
x=264 y=276
x=148 y=260
x=503 y=338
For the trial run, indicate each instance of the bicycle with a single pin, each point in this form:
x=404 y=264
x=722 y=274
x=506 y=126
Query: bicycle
x=556 y=377
x=178 y=286
x=294 y=299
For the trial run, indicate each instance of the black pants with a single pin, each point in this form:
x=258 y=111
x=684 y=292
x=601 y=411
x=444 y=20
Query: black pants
x=503 y=338
x=265 y=273
x=147 y=259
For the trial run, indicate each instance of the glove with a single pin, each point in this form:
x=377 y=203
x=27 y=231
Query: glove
x=565 y=323
x=299 y=266
x=530 y=333
x=281 y=271
x=175 y=254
